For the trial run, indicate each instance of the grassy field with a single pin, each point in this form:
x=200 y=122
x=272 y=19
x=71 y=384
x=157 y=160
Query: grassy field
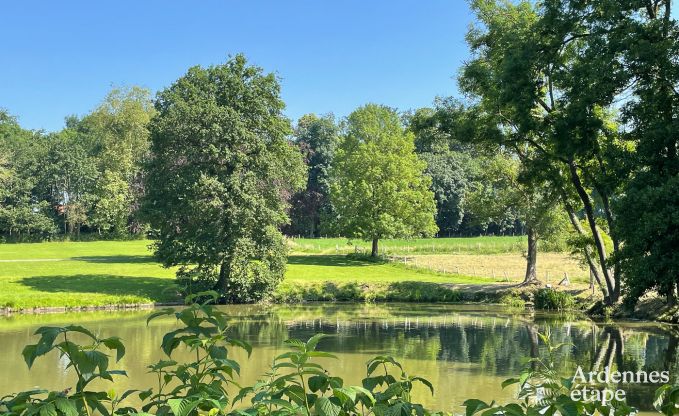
x=475 y=245
x=72 y=274
x=78 y=274
x=551 y=267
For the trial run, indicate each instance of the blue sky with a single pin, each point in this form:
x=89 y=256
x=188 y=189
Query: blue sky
x=61 y=58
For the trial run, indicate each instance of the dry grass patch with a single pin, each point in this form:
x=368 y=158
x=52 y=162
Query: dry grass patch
x=553 y=265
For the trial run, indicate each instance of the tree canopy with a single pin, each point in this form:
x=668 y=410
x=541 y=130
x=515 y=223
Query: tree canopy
x=378 y=186
x=220 y=172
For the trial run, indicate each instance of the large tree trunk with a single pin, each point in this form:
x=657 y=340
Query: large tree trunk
x=222 y=285
x=374 y=251
x=612 y=285
x=531 y=257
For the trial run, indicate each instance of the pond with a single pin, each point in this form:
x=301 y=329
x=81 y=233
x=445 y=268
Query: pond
x=466 y=351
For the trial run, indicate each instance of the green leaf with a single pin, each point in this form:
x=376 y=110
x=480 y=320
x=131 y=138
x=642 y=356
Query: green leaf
x=514 y=409
x=48 y=410
x=364 y=392
x=156 y=314
x=474 y=406
x=399 y=409
x=29 y=353
x=344 y=394
x=66 y=406
x=295 y=344
x=81 y=330
x=509 y=382
x=317 y=382
x=182 y=407
x=143 y=395
x=425 y=382
x=325 y=407
x=313 y=341
x=321 y=354
x=296 y=394
x=114 y=343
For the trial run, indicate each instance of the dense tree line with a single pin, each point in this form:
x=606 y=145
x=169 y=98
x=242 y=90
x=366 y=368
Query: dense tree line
x=86 y=177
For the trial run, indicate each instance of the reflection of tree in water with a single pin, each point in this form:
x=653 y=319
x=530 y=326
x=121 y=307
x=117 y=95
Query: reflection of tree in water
x=496 y=345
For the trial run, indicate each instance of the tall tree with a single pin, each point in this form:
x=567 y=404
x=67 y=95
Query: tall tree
x=378 y=185
x=220 y=171
x=647 y=224
x=502 y=194
x=118 y=133
x=450 y=164
x=23 y=214
x=317 y=138
x=549 y=84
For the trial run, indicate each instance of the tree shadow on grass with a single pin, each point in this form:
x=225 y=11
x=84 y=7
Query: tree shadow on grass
x=105 y=284
x=332 y=260
x=136 y=259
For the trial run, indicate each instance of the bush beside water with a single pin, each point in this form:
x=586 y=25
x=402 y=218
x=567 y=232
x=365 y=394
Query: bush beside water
x=553 y=300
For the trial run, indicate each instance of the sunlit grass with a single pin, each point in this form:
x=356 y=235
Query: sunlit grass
x=75 y=274
x=455 y=245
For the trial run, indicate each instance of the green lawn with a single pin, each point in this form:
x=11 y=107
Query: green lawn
x=122 y=272
x=458 y=245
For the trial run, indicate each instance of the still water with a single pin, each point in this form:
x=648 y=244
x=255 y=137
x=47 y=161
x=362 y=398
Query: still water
x=466 y=351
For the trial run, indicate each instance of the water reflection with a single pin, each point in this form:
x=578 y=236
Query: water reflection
x=466 y=351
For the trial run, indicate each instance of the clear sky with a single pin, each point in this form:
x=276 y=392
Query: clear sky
x=62 y=57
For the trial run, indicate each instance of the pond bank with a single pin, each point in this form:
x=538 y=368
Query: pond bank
x=540 y=297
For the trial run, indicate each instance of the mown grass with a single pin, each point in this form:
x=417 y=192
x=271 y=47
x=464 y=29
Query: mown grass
x=455 y=245
x=76 y=274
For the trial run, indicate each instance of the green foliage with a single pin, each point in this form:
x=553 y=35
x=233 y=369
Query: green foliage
x=220 y=172
x=450 y=178
x=85 y=177
x=512 y=300
x=296 y=384
x=118 y=130
x=551 y=299
x=22 y=215
x=409 y=291
x=378 y=186
x=649 y=222
x=548 y=77
x=317 y=138
x=185 y=388
x=89 y=364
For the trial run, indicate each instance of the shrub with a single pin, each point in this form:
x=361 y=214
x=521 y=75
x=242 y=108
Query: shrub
x=551 y=299
x=512 y=300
